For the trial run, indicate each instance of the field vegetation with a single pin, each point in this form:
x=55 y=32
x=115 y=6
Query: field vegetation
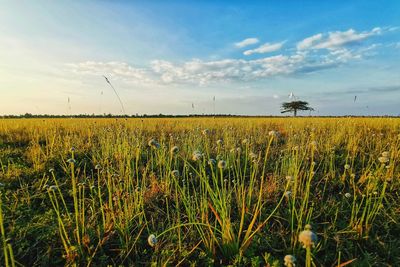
x=200 y=192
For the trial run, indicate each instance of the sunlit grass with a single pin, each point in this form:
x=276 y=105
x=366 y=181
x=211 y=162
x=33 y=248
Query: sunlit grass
x=200 y=191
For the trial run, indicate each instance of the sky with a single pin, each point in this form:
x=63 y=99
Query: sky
x=176 y=57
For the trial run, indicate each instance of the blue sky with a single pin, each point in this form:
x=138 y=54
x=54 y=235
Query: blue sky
x=162 y=56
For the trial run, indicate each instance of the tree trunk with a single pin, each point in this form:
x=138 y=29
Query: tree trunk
x=295 y=113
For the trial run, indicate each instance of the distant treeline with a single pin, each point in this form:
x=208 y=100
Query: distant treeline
x=49 y=116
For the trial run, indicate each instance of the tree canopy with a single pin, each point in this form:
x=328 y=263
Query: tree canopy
x=294 y=106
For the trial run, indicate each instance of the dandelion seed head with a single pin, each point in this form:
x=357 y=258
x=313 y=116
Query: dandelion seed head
x=174 y=149
x=347 y=195
x=212 y=162
x=153 y=144
x=383 y=159
x=289 y=261
x=252 y=155
x=272 y=133
x=175 y=173
x=221 y=164
x=220 y=142
x=152 y=240
x=385 y=154
x=308 y=238
x=197 y=156
x=347 y=166
x=71 y=161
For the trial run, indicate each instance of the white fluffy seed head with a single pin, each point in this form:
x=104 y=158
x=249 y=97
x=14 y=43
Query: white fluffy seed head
x=308 y=238
x=197 y=156
x=385 y=154
x=152 y=240
x=289 y=261
x=221 y=164
x=383 y=159
x=153 y=144
x=175 y=173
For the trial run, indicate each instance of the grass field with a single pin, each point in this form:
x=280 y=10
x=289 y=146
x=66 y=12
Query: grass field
x=200 y=192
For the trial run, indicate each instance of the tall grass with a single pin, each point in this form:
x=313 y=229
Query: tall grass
x=233 y=191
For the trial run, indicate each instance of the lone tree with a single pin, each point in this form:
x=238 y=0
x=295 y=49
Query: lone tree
x=294 y=106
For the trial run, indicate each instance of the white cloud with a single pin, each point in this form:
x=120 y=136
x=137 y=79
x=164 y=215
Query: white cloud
x=200 y=72
x=112 y=69
x=246 y=42
x=309 y=41
x=265 y=48
x=335 y=40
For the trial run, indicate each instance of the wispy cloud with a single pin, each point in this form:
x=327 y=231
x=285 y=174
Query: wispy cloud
x=246 y=42
x=197 y=71
x=114 y=69
x=265 y=48
x=335 y=40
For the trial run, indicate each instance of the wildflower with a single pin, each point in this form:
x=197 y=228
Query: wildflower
x=347 y=195
x=347 y=166
x=174 y=150
x=175 y=173
x=238 y=150
x=288 y=193
x=152 y=240
x=220 y=142
x=71 y=161
x=97 y=167
x=289 y=261
x=196 y=156
x=307 y=237
x=212 y=162
x=221 y=164
x=72 y=149
x=205 y=132
x=245 y=141
x=153 y=144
